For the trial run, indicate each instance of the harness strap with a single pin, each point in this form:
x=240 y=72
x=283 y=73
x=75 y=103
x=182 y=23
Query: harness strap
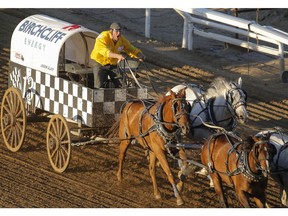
x=211 y=115
x=152 y=128
x=163 y=131
x=242 y=160
x=246 y=171
x=167 y=136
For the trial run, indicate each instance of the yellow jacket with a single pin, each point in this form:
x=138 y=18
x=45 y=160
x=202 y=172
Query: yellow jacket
x=104 y=45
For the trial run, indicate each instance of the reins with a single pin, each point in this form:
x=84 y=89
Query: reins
x=141 y=86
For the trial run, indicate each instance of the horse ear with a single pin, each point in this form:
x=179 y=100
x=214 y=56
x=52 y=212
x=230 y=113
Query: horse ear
x=250 y=140
x=239 y=82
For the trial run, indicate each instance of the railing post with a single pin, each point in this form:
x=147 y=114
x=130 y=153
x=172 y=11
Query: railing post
x=190 y=36
x=147 y=22
x=185 y=33
x=281 y=57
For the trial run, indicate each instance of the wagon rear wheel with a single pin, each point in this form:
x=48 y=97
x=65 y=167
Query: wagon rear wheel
x=13 y=119
x=58 y=143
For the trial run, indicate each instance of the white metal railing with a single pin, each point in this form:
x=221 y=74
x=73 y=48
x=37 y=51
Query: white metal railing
x=273 y=37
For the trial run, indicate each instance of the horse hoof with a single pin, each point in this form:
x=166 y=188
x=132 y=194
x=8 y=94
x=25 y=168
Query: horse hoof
x=180 y=202
x=179 y=187
x=203 y=172
x=119 y=178
x=157 y=196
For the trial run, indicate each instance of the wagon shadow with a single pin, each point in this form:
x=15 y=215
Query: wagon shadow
x=34 y=142
x=84 y=166
x=32 y=148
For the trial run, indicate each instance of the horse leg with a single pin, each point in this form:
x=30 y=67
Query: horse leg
x=284 y=189
x=181 y=173
x=283 y=196
x=215 y=178
x=122 y=152
x=261 y=201
x=152 y=162
x=164 y=164
x=243 y=199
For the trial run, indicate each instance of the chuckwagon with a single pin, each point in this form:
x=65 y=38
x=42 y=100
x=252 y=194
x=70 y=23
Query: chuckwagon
x=49 y=73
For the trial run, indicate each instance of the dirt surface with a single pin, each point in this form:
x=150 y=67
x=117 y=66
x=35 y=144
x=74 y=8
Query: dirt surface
x=26 y=177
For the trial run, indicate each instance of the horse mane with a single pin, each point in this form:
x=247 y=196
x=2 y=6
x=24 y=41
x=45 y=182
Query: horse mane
x=163 y=98
x=218 y=87
x=172 y=95
x=248 y=143
x=251 y=140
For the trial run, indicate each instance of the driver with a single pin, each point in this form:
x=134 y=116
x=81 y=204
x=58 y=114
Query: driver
x=108 y=49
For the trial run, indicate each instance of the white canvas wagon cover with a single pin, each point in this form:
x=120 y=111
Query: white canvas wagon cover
x=38 y=39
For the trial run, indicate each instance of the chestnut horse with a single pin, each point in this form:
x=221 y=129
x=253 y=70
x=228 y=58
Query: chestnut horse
x=242 y=165
x=153 y=127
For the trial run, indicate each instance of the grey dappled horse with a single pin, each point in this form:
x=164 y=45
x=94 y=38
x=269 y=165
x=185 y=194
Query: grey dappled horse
x=223 y=105
x=279 y=163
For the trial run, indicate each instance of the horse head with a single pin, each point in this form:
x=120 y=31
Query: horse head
x=181 y=109
x=261 y=153
x=236 y=98
x=273 y=148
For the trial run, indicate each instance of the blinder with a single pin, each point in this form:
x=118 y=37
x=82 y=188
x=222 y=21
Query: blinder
x=185 y=107
x=241 y=101
x=257 y=160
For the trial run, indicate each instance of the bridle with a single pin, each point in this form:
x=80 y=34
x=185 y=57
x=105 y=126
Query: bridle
x=159 y=123
x=184 y=105
x=166 y=134
x=245 y=168
x=232 y=106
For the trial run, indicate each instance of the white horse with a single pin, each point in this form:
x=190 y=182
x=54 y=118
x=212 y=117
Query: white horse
x=222 y=105
x=279 y=163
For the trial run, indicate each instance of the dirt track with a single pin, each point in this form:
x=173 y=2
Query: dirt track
x=26 y=177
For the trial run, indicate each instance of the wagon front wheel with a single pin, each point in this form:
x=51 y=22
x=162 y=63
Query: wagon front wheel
x=13 y=119
x=58 y=143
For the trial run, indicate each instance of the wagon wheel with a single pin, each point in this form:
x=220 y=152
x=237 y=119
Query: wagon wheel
x=13 y=119
x=58 y=143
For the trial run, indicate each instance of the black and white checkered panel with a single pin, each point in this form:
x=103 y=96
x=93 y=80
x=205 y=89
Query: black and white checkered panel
x=107 y=103
x=60 y=96
x=93 y=107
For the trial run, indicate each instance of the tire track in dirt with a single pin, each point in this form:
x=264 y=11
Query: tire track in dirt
x=51 y=188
